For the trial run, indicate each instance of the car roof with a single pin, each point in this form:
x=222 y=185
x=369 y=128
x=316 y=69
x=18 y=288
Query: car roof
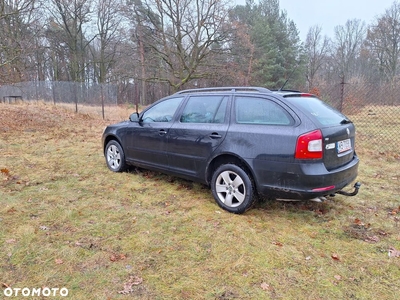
x=245 y=89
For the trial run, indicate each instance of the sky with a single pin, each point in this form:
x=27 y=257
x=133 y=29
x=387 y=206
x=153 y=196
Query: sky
x=330 y=13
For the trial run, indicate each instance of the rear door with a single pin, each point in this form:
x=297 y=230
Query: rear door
x=199 y=130
x=263 y=133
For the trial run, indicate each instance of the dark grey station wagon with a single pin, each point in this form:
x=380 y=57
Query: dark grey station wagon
x=243 y=142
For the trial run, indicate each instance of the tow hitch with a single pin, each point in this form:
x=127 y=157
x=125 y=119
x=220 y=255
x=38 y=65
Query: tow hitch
x=355 y=192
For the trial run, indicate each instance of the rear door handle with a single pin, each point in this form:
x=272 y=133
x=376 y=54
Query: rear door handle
x=215 y=135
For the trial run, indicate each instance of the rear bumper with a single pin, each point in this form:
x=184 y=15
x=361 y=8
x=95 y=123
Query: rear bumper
x=305 y=180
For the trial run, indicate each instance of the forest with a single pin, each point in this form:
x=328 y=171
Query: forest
x=156 y=47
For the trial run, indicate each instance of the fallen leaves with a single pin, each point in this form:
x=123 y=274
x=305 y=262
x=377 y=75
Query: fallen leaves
x=11 y=210
x=5 y=171
x=5 y=285
x=11 y=178
x=265 y=286
x=395 y=211
x=372 y=239
x=117 y=257
x=360 y=224
x=337 y=277
x=393 y=252
x=364 y=231
x=334 y=256
x=128 y=286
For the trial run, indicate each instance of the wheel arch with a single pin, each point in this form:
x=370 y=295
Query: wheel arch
x=228 y=159
x=109 y=138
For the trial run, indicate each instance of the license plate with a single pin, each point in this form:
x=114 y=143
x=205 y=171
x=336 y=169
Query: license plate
x=343 y=146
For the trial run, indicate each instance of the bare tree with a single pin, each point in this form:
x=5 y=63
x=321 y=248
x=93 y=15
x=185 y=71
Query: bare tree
x=15 y=37
x=347 y=45
x=383 y=40
x=185 y=34
x=108 y=22
x=143 y=22
x=69 y=18
x=317 y=48
x=105 y=43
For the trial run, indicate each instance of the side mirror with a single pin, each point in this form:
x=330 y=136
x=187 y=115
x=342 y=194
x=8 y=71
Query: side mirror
x=134 y=117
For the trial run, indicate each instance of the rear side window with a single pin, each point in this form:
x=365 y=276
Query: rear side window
x=205 y=109
x=253 y=110
x=325 y=114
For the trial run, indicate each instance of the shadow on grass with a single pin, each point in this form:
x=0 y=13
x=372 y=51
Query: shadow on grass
x=323 y=210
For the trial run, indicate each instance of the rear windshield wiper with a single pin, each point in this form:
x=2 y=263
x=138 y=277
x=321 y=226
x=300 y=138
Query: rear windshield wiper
x=345 y=121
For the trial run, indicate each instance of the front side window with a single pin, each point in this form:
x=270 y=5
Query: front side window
x=163 y=111
x=205 y=109
x=253 y=110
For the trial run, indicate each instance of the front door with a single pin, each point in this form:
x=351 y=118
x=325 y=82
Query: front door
x=147 y=141
x=200 y=129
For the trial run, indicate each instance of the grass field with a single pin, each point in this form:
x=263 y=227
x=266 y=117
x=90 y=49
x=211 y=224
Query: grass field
x=66 y=221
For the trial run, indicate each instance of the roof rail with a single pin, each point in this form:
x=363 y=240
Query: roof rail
x=289 y=90
x=227 y=89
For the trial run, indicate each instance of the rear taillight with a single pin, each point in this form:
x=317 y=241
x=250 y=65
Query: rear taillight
x=309 y=145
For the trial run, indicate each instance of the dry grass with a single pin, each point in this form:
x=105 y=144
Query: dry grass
x=67 y=221
x=378 y=128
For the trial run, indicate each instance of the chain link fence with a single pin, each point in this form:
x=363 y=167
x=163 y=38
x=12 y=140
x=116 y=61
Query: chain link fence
x=78 y=96
x=375 y=109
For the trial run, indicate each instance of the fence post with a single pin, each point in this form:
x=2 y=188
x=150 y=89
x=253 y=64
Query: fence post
x=75 y=91
x=102 y=99
x=342 y=83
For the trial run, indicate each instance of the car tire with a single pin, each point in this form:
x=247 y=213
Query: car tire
x=115 y=157
x=232 y=188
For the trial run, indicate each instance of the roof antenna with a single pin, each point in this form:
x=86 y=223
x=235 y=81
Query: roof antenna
x=288 y=78
x=284 y=84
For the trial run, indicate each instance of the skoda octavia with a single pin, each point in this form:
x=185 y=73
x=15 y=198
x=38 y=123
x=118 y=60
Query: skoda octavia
x=243 y=142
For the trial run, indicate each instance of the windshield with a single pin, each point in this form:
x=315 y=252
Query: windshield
x=325 y=114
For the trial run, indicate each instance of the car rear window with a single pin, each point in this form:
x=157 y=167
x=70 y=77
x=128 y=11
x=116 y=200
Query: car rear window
x=317 y=109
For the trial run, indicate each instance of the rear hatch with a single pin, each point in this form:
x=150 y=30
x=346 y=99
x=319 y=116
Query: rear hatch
x=338 y=145
x=337 y=130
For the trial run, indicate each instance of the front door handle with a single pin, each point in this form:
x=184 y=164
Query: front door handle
x=162 y=132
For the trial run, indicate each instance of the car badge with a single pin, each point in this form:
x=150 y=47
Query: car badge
x=348 y=131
